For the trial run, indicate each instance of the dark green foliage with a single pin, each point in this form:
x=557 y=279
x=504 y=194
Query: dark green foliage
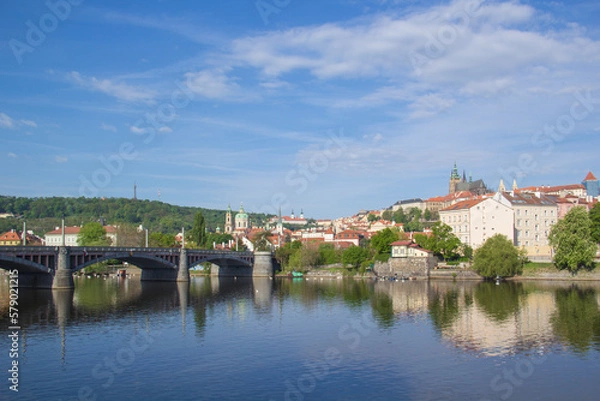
x=595 y=220
x=442 y=241
x=198 y=233
x=381 y=241
x=371 y=218
x=44 y=214
x=571 y=238
x=283 y=254
x=160 y=240
x=497 y=257
x=328 y=255
x=217 y=239
x=354 y=256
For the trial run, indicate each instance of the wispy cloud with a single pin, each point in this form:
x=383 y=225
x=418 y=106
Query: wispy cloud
x=61 y=159
x=12 y=155
x=212 y=84
x=10 y=123
x=119 y=90
x=108 y=127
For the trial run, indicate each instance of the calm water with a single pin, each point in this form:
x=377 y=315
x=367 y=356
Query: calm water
x=284 y=339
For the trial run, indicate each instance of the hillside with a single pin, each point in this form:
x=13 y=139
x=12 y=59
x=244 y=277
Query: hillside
x=43 y=214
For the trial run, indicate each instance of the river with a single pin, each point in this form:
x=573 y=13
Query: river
x=298 y=339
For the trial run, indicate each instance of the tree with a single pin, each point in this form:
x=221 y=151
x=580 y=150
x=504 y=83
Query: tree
x=354 y=256
x=381 y=241
x=571 y=238
x=442 y=241
x=129 y=235
x=283 y=253
x=387 y=215
x=198 y=233
x=92 y=234
x=595 y=219
x=497 y=257
x=161 y=240
x=371 y=218
x=328 y=255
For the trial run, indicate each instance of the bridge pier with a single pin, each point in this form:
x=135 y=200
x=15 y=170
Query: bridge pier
x=263 y=264
x=63 y=276
x=183 y=273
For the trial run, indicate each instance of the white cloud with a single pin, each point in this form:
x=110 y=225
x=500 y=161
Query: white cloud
x=29 y=123
x=212 y=84
x=108 y=127
x=12 y=155
x=6 y=121
x=119 y=90
x=165 y=129
x=137 y=130
x=430 y=105
x=61 y=159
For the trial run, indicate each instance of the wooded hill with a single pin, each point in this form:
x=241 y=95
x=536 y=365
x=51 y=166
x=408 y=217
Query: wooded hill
x=44 y=214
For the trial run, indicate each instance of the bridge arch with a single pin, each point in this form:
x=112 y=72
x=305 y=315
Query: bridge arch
x=138 y=259
x=222 y=261
x=8 y=262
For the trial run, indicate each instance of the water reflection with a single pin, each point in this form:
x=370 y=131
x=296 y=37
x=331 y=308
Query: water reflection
x=576 y=320
x=484 y=318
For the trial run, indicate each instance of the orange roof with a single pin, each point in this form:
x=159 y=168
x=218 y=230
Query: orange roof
x=466 y=204
x=10 y=236
x=590 y=177
x=547 y=189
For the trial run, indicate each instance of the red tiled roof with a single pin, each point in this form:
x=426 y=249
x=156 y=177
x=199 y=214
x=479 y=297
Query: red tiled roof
x=10 y=236
x=590 y=177
x=466 y=204
x=402 y=243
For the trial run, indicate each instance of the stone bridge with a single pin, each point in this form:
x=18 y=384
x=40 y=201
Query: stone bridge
x=53 y=267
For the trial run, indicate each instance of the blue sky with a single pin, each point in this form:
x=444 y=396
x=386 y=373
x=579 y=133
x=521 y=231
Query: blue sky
x=325 y=106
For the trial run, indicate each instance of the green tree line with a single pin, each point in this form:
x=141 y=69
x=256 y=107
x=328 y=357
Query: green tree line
x=43 y=214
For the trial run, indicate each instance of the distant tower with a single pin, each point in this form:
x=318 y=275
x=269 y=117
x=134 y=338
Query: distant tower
x=590 y=182
x=301 y=214
x=228 y=221
x=454 y=179
x=242 y=220
x=514 y=185
x=292 y=215
x=159 y=194
x=280 y=223
x=134 y=190
x=501 y=187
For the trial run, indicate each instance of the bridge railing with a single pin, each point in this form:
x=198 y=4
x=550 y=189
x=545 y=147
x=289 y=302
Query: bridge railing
x=112 y=249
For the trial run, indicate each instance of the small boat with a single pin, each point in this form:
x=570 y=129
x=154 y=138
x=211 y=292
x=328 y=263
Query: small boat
x=296 y=274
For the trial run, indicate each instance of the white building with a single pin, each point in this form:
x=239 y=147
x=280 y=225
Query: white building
x=54 y=238
x=534 y=215
x=474 y=221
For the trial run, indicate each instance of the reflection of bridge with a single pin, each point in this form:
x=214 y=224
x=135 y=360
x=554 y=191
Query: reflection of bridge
x=46 y=267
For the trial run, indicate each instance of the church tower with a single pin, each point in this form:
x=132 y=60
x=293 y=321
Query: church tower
x=454 y=179
x=590 y=182
x=228 y=221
